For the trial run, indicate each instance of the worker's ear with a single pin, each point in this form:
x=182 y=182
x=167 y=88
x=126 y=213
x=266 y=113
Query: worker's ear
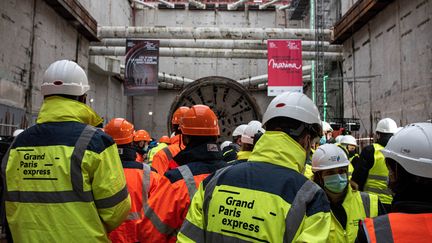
x=306 y=142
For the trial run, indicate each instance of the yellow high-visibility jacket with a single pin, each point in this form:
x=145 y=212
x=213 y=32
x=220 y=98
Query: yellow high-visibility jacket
x=357 y=206
x=376 y=182
x=266 y=199
x=64 y=178
x=154 y=150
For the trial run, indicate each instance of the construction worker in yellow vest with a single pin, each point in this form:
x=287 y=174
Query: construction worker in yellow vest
x=348 y=205
x=408 y=156
x=266 y=199
x=63 y=178
x=371 y=174
x=349 y=144
x=250 y=136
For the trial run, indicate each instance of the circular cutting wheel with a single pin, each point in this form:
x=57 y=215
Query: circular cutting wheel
x=230 y=101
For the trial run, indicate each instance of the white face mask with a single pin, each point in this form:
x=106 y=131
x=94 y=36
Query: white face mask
x=146 y=147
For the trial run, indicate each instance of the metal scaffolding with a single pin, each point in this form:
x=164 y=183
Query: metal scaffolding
x=319 y=59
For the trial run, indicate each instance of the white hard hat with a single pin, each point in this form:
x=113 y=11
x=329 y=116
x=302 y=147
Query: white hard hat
x=17 y=132
x=329 y=156
x=225 y=144
x=412 y=149
x=339 y=138
x=238 y=131
x=348 y=139
x=65 y=77
x=252 y=128
x=293 y=105
x=326 y=127
x=386 y=125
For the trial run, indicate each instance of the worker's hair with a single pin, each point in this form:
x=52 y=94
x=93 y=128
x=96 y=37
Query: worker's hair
x=236 y=138
x=383 y=138
x=409 y=187
x=294 y=128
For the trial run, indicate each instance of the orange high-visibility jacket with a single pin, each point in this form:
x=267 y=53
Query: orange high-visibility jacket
x=167 y=209
x=142 y=184
x=175 y=139
x=163 y=160
x=399 y=227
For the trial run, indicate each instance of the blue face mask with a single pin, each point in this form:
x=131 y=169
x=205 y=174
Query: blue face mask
x=323 y=140
x=335 y=183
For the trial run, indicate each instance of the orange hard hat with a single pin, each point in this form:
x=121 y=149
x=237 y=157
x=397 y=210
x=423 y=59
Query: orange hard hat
x=120 y=130
x=199 y=120
x=178 y=114
x=165 y=139
x=142 y=135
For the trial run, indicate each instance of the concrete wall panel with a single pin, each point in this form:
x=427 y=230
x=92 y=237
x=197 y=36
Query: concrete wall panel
x=395 y=45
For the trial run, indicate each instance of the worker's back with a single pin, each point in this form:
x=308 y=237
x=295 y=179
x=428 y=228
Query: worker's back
x=64 y=178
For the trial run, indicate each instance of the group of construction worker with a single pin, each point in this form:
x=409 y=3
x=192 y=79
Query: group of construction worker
x=283 y=179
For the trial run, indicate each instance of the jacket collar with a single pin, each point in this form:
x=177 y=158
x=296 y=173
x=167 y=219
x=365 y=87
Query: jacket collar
x=280 y=149
x=177 y=139
x=243 y=155
x=206 y=152
x=127 y=152
x=60 y=109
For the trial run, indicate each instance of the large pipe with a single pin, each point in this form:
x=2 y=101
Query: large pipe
x=210 y=53
x=175 y=80
x=218 y=44
x=234 y=6
x=197 y=4
x=267 y=4
x=283 y=7
x=252 y=81
x=142 y=4
x=208 y=33
x=170 y=5
x=165 y=85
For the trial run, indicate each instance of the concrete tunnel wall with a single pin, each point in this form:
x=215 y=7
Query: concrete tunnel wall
x=32 y=36
x=396 y=46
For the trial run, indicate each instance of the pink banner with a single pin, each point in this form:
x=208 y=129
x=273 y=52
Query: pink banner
x=285 y=73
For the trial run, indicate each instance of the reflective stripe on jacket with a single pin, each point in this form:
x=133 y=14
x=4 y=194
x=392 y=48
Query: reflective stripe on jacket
x=263 y=200
x=163 y=160
x=376 y=182
x=357 y=206
x=142 y=183
x=399 y=228
x=168 y=208
x=64 y=179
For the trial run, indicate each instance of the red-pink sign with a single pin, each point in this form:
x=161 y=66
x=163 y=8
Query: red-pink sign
x=284 y=62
